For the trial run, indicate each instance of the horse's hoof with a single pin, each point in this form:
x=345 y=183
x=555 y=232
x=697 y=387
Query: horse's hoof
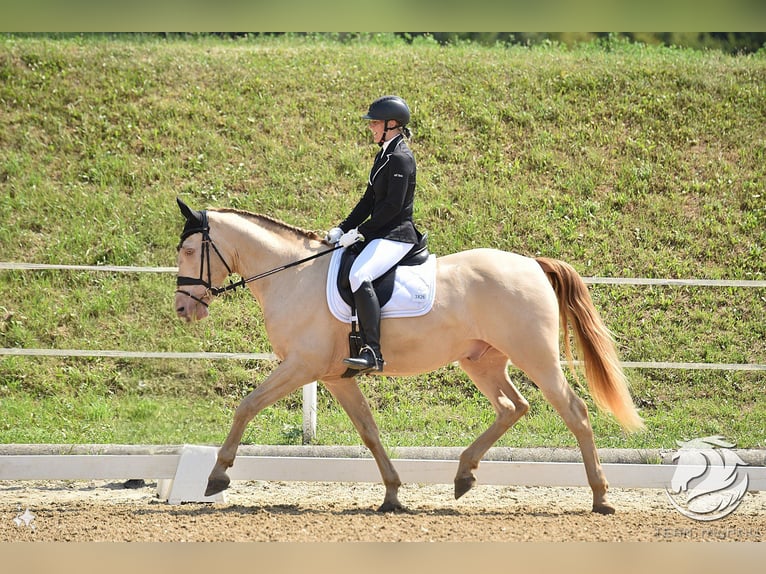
x=391 y=507
x=603 y=508
x=463 y=485
x=216 y=485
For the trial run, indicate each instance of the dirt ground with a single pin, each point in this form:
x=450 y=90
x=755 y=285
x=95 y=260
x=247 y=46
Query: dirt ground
x=257 y=511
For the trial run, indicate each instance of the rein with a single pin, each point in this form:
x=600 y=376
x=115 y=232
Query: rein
x=204 y=229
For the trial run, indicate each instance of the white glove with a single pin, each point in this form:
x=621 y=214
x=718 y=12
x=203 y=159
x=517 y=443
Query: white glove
x=350 y=237
x=334 y=235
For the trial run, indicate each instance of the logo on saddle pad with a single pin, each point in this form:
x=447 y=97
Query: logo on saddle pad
x=708 y=483
x=413 y=291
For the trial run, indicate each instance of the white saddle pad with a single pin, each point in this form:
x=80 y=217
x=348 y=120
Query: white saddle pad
x=413 y=295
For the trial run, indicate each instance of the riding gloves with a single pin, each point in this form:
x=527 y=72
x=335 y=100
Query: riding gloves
x=334 y=235
x=350 y=237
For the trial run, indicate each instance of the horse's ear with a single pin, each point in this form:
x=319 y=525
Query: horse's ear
x=189 y=213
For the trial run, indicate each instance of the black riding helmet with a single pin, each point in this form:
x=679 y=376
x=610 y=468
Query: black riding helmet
x=389 y=108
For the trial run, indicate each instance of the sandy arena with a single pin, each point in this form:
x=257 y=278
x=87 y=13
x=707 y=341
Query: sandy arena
x=257 y=511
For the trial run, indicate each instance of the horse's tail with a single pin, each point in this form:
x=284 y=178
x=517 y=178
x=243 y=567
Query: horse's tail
x=606 y=381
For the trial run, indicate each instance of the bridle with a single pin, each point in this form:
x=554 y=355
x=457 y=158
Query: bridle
x=207 y=243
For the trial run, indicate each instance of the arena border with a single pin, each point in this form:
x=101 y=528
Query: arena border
x=181 y=471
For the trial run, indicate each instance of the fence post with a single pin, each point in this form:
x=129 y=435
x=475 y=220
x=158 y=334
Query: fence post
x=309 y=412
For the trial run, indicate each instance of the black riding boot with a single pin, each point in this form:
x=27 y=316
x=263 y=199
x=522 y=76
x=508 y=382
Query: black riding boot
x=368 y=312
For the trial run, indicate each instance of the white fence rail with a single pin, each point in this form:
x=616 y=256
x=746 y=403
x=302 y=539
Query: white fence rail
x=16 y=351
x=589 y=280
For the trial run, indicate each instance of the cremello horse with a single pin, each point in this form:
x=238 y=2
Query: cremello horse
x=491 y=307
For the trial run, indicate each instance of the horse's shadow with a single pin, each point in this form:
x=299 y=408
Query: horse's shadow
x=209 y=509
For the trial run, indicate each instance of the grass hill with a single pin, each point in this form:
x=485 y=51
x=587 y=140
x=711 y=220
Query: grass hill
x=624 y=160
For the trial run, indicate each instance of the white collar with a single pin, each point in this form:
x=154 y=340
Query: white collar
x=386 y=144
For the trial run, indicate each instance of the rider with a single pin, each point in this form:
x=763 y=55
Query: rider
x=383 y=217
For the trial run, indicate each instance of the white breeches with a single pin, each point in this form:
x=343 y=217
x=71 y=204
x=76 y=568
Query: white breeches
x=375 y=259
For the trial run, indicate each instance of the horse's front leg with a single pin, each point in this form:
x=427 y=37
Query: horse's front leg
x=285 y=379
x=350 y=397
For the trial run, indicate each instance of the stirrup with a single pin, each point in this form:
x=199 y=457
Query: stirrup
x=366 y=361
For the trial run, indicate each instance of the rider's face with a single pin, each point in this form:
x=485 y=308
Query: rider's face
x=376 y=127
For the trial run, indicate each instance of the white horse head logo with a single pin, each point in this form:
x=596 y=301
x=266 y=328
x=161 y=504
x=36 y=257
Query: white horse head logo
x=707 y=484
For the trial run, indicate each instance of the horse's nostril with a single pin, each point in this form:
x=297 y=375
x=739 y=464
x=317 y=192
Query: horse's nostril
x=180 y=309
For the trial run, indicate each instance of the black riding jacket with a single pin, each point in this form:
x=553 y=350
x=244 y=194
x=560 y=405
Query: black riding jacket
x=385 y=209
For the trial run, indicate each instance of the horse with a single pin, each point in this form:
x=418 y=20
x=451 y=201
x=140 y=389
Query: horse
x=492 y=308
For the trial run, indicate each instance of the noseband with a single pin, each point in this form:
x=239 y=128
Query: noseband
x=207 y=243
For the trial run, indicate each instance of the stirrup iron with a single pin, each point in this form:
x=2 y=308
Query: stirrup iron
x=366 y=361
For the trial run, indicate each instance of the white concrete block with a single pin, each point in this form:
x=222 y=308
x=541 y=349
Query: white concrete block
x=190 y=480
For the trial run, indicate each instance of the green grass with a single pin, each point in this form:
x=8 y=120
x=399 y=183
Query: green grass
x=624 y=160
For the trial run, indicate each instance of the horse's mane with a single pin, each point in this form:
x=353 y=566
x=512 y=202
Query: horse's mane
x=271 y=223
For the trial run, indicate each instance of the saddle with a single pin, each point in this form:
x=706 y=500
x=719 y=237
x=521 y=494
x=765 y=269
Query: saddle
x=383 y=285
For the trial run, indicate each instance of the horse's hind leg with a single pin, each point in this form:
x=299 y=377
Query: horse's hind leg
x=573 y=410
x=350 y=397
x=490 y=375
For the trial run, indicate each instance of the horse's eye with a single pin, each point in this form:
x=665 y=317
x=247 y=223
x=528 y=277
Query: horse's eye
x=186 y=250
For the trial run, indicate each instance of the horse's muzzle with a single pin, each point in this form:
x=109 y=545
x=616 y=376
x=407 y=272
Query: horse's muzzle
x=189 y=308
